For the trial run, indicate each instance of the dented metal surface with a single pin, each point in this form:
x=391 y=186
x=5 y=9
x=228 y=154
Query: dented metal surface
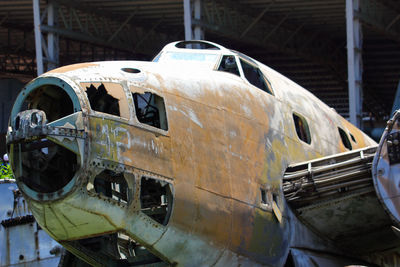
x=179 y=161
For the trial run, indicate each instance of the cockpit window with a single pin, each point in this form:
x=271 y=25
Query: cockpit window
x=157 y=57
x=345 y=139
x=228 y=64
x=254 y=76
x=204 y=58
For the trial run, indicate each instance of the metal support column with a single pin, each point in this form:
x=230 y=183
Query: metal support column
x=187 y=19
x=192 y=10
x=396 y=101
x=354 y=61
x=198 y=31
x=38 y=37
x=49 y=60
x=52 y=38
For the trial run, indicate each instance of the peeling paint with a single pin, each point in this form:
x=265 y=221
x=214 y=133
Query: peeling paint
x=227 y=141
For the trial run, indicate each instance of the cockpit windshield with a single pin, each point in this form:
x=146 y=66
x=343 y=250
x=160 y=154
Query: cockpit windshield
x=203 y=59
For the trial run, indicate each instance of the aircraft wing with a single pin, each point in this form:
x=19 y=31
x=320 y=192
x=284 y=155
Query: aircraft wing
x=351 y=198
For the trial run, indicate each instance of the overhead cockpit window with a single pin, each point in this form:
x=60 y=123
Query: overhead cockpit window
x=302 y=129
x=196 y=45
x=254 y=75
x=150 y=110
x=345 y=139
x=228 y=64
x=200 y=59
x=108 y=98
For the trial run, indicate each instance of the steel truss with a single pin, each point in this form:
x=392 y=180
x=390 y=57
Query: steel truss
x=74 y=21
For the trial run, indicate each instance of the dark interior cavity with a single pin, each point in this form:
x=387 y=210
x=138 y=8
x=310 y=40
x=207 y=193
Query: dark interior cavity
x=228 y=64
x=114 y=249
x=44 y=166
x=344 y=138
x=53 y=100
x=150 y=110
x=112 y=185
x=302 y=129
x=156 y=199
x=255 y=76
x=100 y=100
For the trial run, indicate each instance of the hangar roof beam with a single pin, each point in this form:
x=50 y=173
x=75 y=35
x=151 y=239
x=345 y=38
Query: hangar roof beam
x=381 y=16
x=233 y=19
x=83 y=22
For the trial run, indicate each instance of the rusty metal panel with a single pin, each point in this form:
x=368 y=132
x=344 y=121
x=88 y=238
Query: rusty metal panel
x=118 y=142
x=222 y=158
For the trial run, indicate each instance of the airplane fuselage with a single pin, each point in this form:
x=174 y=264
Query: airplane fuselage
x=213 y=145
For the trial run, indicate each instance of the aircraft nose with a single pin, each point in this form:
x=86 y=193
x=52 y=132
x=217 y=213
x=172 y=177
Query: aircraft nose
x=46 y=138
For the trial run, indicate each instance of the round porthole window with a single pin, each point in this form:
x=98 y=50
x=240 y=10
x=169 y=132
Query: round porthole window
x=130 y=70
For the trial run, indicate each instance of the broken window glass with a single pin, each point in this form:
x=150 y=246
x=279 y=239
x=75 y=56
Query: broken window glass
x=255 y=77
x=228 y=64
x=113 y=185
x=150 y=110
x=156 y=199
x=345 y=139
x=302 y=129
x=108 y=98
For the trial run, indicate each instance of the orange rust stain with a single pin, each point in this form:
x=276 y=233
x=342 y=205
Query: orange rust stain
x=218 y=146
x=341 y=146
x=73 y=67
x=120 y=142
x=242 y=221
x=215 y=209
x=185 y=205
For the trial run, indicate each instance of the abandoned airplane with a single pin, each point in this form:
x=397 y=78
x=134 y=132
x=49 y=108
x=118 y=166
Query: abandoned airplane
x=203 y=157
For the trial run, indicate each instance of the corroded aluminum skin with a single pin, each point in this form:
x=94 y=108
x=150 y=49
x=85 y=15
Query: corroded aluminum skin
x=226 y=140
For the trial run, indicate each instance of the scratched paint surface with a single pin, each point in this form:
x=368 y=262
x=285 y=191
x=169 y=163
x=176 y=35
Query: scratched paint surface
x=226 y=141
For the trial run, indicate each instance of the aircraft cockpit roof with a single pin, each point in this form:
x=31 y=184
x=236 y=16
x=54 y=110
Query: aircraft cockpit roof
x=204 y=53
x=197 y=46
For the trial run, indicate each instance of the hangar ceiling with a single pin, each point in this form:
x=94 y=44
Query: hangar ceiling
x=304 y=40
